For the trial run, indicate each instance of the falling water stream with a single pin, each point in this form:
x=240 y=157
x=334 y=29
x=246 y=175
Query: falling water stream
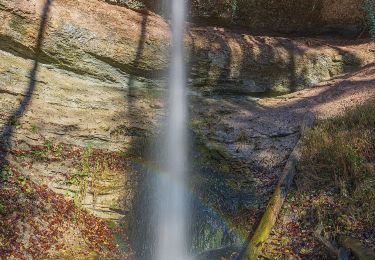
x=171 y=237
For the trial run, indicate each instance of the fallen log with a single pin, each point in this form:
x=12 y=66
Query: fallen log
x=269 y=218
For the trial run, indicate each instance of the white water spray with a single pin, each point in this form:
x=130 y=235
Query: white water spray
x=172 y=206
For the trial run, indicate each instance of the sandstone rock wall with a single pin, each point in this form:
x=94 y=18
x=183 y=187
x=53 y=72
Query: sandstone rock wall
x=116 y=44
x=239 y=63
x=87 y=37
x=98 y=81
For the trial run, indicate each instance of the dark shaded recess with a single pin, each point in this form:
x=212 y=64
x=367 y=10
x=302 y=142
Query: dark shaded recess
x=273 y=16
x=283 y=16
x=9 y=127
x=299 y=17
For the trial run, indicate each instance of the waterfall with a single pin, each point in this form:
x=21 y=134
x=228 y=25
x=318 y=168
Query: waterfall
x=171 y=189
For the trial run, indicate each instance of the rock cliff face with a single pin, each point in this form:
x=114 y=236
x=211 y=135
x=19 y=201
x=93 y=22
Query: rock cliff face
x=88 y=91
x=85 y=86
x=87 y=37
x=99 y=81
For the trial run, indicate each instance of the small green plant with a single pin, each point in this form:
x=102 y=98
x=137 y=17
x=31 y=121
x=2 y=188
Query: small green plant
x=81 y=176
x=22 y=180
x=44 y=153
x=60 y=150
x=34 y=129
x=24 y=183
x=234 y=7
x=39 y=154
x=48 y=145
x=370 y=13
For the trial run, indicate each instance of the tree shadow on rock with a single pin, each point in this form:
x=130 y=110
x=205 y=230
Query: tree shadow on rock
x=10 y=125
